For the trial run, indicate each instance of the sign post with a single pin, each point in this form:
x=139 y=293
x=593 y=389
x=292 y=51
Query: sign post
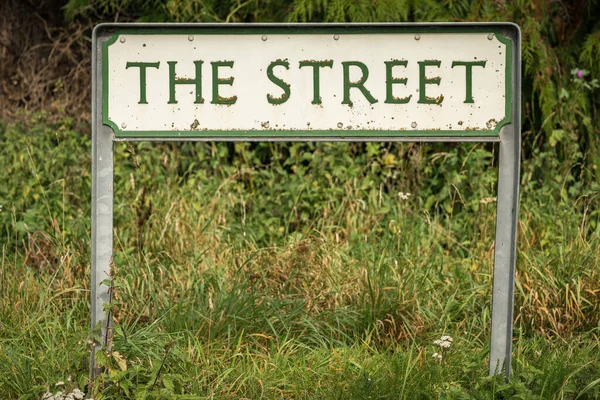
x=442 y=82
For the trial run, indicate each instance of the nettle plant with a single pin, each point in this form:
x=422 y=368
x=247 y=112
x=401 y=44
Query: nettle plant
x=573 y=116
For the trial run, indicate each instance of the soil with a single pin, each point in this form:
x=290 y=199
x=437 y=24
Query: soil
x=44 y=62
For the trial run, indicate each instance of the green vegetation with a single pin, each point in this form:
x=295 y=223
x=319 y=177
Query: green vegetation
x=309 y=277
x=300 y=270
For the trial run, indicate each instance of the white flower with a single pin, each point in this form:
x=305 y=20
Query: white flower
x=61 y=383
x=436 y=356
x=0 y=207
x=403 y=196
x=444 y=342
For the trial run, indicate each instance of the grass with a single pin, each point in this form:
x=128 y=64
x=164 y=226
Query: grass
x=302 y=276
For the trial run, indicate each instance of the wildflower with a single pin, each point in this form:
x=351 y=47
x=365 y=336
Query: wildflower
x=444 y=342
x=0 y=207
x=403 y=196
x=579 y=73
x=61 y=383
x=436 y=356
x=77 y=394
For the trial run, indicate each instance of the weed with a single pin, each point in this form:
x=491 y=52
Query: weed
x=306 y=278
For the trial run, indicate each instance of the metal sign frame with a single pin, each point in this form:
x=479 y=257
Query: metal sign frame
x=508 y=135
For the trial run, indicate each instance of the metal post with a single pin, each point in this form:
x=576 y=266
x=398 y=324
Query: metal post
x=506 y=227
x=102 y=213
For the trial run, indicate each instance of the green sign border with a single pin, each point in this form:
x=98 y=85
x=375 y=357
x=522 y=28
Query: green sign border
x=300 y=30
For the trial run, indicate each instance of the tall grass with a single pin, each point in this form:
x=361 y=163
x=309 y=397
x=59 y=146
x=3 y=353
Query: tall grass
x=306 y=276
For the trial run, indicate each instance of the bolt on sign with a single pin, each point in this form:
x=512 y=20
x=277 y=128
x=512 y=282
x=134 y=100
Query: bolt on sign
x=309 y=82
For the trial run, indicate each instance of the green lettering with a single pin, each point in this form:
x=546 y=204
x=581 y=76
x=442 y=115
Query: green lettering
x=142 y=66
x=390 y=80
x=469 y=72
x=279 y=82
x=360 y=84
x=316 y=76
x=173 y=80
x=216 y=81
x=423 y=99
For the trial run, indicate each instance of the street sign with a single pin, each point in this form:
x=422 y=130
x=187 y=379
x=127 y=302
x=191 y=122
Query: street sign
x=429 y=82
x=327 y=81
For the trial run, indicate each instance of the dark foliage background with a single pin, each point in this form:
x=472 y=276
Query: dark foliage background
x=45 y=66
x=45 y=52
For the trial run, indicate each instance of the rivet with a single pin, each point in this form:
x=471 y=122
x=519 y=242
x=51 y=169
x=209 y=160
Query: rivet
x=191 y=38
x=414 y=125
x=336 y=37
x=124 y=125
x=340 y=125
x=490 y=36
x=417 y=37
x=122 y=40
x=264 y=38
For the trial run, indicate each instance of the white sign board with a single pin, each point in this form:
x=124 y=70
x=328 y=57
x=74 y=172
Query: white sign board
x=278 y=82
